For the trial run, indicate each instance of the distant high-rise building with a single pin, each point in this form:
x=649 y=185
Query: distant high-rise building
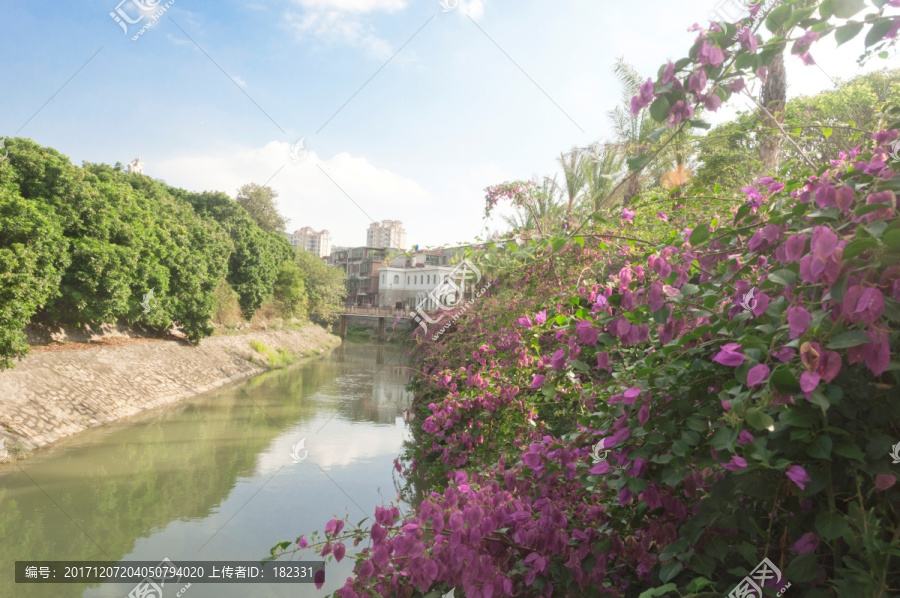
x=387 y=233
x=308 y=239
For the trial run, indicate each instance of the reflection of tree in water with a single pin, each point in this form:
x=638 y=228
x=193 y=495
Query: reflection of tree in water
x=132 y=479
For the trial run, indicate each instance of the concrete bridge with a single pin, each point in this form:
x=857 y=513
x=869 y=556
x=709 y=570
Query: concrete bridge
x=370 y=318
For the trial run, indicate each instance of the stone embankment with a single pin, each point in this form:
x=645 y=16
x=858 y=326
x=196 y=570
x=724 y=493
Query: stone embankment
x=52 y=394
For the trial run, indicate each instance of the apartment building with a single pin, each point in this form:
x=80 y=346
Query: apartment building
x=306 y=238
x=385 y=234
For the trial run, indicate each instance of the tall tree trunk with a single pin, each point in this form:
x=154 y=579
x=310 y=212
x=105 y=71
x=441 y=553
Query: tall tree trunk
x=774 y=98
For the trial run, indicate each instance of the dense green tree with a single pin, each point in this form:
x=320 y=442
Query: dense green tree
x=324 y=285
x=32 y=258
x=259 y=201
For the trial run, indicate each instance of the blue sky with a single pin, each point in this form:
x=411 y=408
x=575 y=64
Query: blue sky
x=215 y=94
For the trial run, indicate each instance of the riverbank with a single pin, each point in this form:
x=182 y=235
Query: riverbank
x=50 y=395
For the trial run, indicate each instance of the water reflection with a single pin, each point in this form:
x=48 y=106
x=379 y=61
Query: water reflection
x=213 y=478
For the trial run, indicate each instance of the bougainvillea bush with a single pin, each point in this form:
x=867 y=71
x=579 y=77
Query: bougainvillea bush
x=631 y=419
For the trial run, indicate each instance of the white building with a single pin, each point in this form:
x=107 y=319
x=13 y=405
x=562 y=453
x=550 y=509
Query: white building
x=308 y=239
x=387 y=233
x=410 y=287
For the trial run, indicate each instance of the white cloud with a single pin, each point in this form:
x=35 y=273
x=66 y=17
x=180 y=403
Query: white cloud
x=307 y=195
x=237 y=79
x=336 y=28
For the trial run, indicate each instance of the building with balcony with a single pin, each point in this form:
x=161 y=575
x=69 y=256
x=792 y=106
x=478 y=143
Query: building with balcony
x=387 y=233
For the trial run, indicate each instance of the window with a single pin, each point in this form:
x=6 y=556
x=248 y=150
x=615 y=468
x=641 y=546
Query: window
x=396 y=279
x=407 y=280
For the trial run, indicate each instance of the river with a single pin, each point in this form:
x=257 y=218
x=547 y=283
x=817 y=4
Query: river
x=214 y=478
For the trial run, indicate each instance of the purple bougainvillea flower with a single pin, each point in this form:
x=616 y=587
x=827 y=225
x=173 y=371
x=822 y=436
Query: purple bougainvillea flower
x=668 y=73
x=627 y=214
x=710 y=54
x=631 y=394
x=809 y=381
x=784 y=354
x=799 y=320
x=730 y=355
x=798 y=475
x=588 y=334
x=844 y=199
x=334 y=527
x=884 y=481
x=339 y=551
x=558 y=361
x=600 y=304
x=541 y=317
x=745 y=437
x=603 y=360
x=538 y=380
x=748 y=39
x=808 y=542
x=735 y=464
x=826 y=196
x=758 y=374
x=662 y=216
x=762 y=304
x=525 y=322
x=644 y=414
x=600 y=468
x=302 y=543
x=863 y=305
x=792 y=250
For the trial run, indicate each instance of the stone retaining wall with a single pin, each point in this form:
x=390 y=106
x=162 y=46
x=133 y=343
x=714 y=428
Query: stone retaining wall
x=53 y=394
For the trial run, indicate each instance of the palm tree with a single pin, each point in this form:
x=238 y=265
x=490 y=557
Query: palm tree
x=632 y=131
x=545 y=210
x=602 y=166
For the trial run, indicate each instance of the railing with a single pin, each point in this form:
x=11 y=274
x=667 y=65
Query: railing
x=366 y=310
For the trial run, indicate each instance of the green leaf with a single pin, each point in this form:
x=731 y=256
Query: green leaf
x=660 y=591
x=826 y=9
x=830 y=525
x=759 y=419
x=827 y=131
x=878 y=31
x=778 y=17
x=783 y=277
x=579 y=241
x=669 y=571
x=638 y=162
x=854 y=248
x=784 y=380
x=820 y=447
x=851 y=338
x=700 y=124
x=659 y=109
x=803 y=568
x=847 y=32
x=557 y=243
x=850 y=451
x=699 y=234
x=698 y=584
x=844 y=9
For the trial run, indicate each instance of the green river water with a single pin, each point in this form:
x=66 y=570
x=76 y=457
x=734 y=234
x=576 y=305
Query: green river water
x=213 y=478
